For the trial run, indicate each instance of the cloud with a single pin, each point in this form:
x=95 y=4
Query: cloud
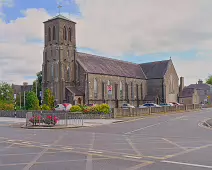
x=146 y=27
x=5 y=3
x=19 y=55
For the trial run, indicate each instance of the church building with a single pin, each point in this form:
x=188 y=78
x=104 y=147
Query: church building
x=80 y=78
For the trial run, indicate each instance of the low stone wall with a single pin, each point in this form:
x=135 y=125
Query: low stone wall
x=125 y=112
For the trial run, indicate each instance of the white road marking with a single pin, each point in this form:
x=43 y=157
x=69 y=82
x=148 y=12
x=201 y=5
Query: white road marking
x=188 y=164
x=136 y=157
x=173 y=143
x=89 y=159
x=176 y=118
x=133 y=146
x=95 y=151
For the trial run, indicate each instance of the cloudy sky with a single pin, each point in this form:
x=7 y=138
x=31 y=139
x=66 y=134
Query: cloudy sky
x=133 y=30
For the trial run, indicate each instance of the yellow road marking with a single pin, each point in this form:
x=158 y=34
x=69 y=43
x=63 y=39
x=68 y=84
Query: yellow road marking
x=173 y=143
x=136 y=157
x=140 y=165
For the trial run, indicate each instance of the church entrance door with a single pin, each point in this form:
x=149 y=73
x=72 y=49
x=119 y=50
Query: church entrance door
x=79 y=101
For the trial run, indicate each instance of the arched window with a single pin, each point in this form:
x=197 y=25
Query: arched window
x=49 y=33
x=69 y=34
x=68 y=73
x=52 y=69
x=121 y=90
x=54 y=33
x=95 y=88
x=64 y=33
x=108 y=82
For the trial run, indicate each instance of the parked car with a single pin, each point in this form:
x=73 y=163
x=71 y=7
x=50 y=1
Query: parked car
x=126 y=105
x=146 y=105
x=63 y=107
x=176 y=104
x=91 y=105
x=166 y=104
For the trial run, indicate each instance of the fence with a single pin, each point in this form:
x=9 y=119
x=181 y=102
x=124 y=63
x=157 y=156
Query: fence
x=116 y=112
x=124 y=112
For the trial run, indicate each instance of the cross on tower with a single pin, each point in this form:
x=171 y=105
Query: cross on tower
x=59 y=7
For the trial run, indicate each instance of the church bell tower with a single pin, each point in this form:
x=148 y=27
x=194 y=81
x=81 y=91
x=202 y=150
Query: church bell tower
x=59 y=56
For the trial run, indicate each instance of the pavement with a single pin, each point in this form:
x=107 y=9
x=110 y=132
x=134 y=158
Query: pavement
x=163 y=142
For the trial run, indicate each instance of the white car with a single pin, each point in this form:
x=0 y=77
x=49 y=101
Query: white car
x=63 y=107
x=147 y=105
x=127 y=106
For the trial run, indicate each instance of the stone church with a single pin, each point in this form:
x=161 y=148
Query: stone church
x=81 y=78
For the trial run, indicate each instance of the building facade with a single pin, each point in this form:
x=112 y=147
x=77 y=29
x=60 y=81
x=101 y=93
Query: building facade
x=81 y=78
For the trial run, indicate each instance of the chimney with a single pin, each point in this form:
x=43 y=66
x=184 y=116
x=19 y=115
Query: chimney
x=181 y=84
x=200 y=82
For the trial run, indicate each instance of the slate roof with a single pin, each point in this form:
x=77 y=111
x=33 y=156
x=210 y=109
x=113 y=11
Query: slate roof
x=107 y=66
x=75 y=91
x=187 y=92
x=155 y=69
x=200 y=86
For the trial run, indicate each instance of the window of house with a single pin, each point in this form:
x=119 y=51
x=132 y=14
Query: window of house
x=121 y=90
x=64 y=33
x=109 y=88
x=136 y=91
x=141 y=91
x=95 y=88
x=49 y=33
x=54 y=33
x=69 y=34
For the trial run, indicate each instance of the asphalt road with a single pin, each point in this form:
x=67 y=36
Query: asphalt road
x=165 y=142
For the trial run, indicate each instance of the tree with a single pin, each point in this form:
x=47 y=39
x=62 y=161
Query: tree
x=32 y=102
x=49 y=98
x=6 y=93
x=209 y=80
x=39 y=84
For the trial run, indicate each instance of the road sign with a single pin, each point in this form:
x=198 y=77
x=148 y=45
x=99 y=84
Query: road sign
x=14 y=96
x=209 y=97
x=40 y=93
x=109 y=89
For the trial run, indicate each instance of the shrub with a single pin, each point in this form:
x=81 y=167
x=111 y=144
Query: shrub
x=36 y=119
x=51 y=120
x=98 y=109
x=76 y=108
x=103 y=108
x=6 y=106
x=45 y=107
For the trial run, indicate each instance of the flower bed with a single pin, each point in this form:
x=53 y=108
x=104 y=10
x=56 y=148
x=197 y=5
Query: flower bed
x=48 y=120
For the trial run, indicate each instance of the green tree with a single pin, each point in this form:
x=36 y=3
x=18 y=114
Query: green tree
x=6 y=93
x=49 y=98
x=209 y=80
x=32 y=102
x=39 y=84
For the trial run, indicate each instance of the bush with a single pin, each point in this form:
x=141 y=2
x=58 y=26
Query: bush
x=103 y=108
x=6 y=106
x=76 y=108
x=45 y=107
x=98 y=109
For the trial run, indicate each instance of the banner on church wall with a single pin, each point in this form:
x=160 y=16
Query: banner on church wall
x=109 y=89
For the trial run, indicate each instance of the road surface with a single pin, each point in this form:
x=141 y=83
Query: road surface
x=165 y=142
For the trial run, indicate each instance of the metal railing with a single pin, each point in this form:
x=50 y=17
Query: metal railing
x=54 y=119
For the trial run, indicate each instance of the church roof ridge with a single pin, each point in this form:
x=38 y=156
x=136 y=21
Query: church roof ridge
x=154 y=62
x=59 y=16
x=108 y=58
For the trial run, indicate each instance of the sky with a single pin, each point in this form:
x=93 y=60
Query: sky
x=137 y=31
